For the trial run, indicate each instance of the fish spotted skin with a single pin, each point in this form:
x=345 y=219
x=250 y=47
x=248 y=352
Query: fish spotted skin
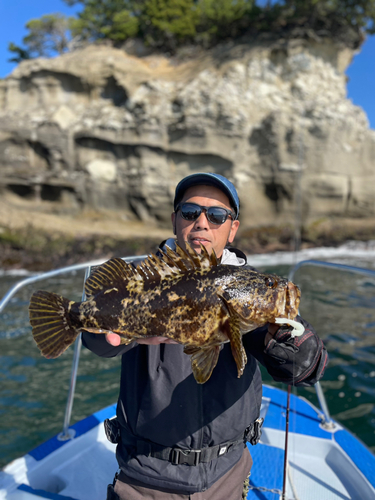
x=181 y=295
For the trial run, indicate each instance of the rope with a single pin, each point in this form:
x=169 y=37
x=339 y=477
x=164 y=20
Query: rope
x=295 y=494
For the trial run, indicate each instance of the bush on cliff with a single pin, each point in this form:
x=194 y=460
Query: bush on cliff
x=168 y=24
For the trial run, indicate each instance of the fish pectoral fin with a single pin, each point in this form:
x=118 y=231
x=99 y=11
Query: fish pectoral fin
x=235 y=338
x=232 y=328
x=203 y=361
x=189 y=349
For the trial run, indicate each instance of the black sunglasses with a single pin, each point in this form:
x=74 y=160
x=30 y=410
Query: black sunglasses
x=216 y=215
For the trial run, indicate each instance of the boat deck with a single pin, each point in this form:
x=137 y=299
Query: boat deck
x=322 y=465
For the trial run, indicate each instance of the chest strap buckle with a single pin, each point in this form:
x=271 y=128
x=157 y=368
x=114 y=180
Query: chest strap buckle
x=188 y=457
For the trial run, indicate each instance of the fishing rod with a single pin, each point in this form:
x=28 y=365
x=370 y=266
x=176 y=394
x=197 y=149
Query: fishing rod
x=283 y=496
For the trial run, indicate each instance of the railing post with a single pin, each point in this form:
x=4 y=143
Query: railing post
x=327 y=422
x=66 y=432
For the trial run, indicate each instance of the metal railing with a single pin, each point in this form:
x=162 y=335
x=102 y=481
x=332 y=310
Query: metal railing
x=327 y=421
x=38 y=277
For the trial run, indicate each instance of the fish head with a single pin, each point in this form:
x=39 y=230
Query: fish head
x=259 y=298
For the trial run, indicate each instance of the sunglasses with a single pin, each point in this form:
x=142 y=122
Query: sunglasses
x=216 y=215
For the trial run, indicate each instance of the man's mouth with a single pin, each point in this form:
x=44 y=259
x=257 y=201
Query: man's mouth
x=198 y=241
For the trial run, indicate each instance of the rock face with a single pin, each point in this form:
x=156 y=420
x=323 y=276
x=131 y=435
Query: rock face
x=104 y=129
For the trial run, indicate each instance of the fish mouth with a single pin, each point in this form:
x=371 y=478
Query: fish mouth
x=292 y=300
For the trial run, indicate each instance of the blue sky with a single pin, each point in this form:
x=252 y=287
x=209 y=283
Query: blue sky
x=14 y=14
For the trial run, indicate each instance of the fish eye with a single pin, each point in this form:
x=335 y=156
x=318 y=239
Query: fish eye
x=271 y=282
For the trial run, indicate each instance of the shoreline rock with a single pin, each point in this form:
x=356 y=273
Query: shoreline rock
x=40 y=249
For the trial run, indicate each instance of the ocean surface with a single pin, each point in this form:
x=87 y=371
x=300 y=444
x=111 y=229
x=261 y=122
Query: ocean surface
x=340 y=305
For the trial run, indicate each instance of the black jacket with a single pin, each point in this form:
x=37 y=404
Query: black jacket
x=160 y=401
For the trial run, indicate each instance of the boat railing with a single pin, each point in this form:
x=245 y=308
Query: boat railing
x=69 y=433
x=42 y=276
x=327 y=421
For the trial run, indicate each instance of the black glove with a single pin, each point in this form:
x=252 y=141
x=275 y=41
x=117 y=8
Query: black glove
x=299 y=360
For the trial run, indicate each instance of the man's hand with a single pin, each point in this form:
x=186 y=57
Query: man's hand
x=272 y=329
x=115 y=340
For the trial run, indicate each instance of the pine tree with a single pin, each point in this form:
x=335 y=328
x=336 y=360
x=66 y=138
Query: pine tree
x=48 y=35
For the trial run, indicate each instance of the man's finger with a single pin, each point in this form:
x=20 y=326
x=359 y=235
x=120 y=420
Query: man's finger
x=113 y=339
x=272 y=328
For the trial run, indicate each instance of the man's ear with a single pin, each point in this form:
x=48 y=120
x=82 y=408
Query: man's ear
x=233 y=230
x=173 y=218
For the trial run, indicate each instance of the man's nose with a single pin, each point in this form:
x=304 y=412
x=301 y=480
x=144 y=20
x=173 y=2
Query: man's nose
x=202 y=221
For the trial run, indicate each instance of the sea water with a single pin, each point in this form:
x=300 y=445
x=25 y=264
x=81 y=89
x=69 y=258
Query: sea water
x=340 y=305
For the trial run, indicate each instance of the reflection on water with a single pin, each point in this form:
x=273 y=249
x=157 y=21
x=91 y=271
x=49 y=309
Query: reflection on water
x=33 y=390
x=341 y=307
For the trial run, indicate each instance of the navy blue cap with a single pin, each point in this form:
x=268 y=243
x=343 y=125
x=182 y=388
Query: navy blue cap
x=208 y=179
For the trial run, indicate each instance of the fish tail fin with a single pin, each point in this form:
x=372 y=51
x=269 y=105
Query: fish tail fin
x=53 y=331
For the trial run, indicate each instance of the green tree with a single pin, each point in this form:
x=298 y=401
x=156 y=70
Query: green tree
x=47 y=35
x=115 y=20
x=357 y=14
x=171 y=20
x=223 y=18
x=169 y=23
x=20 y=53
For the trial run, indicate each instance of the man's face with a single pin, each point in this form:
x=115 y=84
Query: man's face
x=201 y=231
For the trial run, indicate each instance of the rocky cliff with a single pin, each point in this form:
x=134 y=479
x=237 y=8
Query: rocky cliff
x=103 y=129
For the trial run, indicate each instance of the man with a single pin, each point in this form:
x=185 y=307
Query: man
x=178 y=439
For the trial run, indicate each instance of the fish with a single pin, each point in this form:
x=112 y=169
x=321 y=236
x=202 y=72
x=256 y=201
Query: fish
x=182 y=295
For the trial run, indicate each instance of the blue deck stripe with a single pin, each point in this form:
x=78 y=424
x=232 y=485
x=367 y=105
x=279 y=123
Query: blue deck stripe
x=266 y=472
x=80 y=428
x=303 y=417
x=304 y=420
x=42 y=493
x=358 y=452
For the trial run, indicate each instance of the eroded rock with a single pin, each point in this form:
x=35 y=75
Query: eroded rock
x=109 y=130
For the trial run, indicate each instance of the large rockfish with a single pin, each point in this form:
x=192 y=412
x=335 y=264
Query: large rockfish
x=181 y=295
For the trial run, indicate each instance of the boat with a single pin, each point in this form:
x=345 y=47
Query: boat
x=316 y=458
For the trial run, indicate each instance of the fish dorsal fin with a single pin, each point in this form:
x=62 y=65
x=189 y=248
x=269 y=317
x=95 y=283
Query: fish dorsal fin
x=202 y=260
x=172 y=263
x=168 y=264
x=154 y=268
x=108 y=274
